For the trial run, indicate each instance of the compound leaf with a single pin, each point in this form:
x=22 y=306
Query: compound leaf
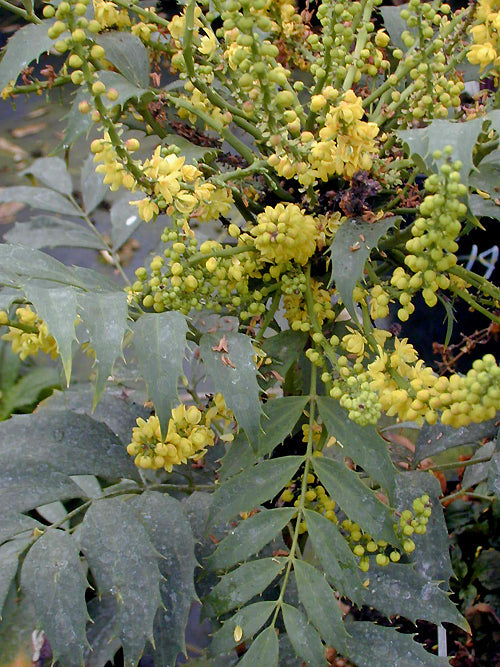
x=250 y=619
x=124 y=219
x=279 y=418
x=320 y=604
x=171 y=535
x=105 y=316
x=361 y=443
x=431 y=557
x=124 y=563
x=128 y=54
x=44 y=231
x=42 y=198
x=70 y=443
x=231 y=367
x=54 y=578
x=240 y=585
x=57 y=307
x=357 y=500
x=335 y=556
x=250 y=488
x=13 y=524
x=375 y=644
x=349 y=251
x=399 y=589
x=440 y=133
x=263 y=651
x=51 y=171
x=160 y=340
x=126 y=89
x=26 y=44
x=250 y=536
x=303 y=637
x=27 y=390
x=35 y=484
x=9 y=561
x=91 y=184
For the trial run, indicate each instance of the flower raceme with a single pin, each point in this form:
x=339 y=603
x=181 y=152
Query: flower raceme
x=188 y=436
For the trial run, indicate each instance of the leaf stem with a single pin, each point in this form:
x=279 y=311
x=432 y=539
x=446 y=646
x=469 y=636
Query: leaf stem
x=269 y=315
x=303 y=491
x=459 y=464
x=27 y=16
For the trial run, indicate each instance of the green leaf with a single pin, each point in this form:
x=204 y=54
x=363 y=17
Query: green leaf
x=160 y=340
x=242 y=584
x=26 y=44
x=124 y=219
x=357 y=500
x=77 y=123
x=438 y=438
x=126 y=89
x=128 y=54
x=377 y=645
x=42 y=198
x=51 y=171
x=171 y=535
x=440 y=133
x=483 y=208
x=115 y=409
x=53 y=576
x=124 y=564
x=394 y=24
x=7 y=296
x=238 y=385
x=479 y=472
x=263 y=651
x=13 y=524
x=494 y=475
x=349 y=251
x=335 y=556
x=101 y=633
x=398 y=589
x=284 y=348
x=238 y=457
x=9 y=561
x=250 y=488
x=250 y=537
x=279 y=418
x=34 y=484
x=321 y=605
x=105 y=316
x=57 y=307
x=16 y=630
x=431 y=556
x=71 y=443
x=304 y=638
x=92 y=186
x=362 y=444
x=250 y=619
x=18 y=264
x=28 y=389
x=44 y=231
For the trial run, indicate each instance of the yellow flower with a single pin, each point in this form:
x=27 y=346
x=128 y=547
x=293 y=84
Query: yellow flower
x=147 y=208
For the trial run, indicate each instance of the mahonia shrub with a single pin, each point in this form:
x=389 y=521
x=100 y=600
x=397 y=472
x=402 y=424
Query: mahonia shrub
x=315 y=175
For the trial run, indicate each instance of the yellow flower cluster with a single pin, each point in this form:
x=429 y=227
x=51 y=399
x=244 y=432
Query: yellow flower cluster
x=188 y=436
x=201 y=103
x=344 y=145
x=296 y=310
x=412 y=391
x=486 y=35
x=29 y=343
x=168 y=175
x=285 y=233
x=347 y=142
x=108 y=15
